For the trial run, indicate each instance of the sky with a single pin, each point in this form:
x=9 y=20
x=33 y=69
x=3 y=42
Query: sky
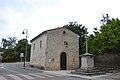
x=39 y=15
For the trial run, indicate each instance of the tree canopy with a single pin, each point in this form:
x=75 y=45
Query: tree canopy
x=106 y=39
x=21 y=47
x=9 y=43
x=12 y=49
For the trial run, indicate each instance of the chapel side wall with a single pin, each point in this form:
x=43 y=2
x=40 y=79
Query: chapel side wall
x=38 y=54
x=56 y=46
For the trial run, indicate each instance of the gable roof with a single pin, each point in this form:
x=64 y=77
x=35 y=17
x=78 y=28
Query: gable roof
x=47 y=31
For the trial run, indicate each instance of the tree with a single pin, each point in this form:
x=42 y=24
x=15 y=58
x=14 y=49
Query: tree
x=8 y=49
x=105 y=20
x=21 y=48
x=10 y=43
x=4 y=43
x=107 y=39
x=80 y=30
x=12 y=50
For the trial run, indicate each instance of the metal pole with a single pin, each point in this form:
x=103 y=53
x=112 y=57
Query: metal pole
x=24 y=61
x=25 y=55
x=26 y=47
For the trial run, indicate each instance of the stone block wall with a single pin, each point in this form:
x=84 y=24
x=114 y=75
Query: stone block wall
x=59 y=42
x=54 y=42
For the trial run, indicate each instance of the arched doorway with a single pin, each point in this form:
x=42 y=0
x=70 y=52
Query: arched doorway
x=63 y=61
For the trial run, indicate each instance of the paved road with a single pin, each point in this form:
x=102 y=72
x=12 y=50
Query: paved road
x=15 y=71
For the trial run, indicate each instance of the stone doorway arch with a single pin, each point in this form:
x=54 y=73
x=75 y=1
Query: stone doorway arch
x=63 y=61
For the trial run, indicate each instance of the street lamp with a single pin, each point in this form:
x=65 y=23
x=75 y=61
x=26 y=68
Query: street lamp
x=25 y=31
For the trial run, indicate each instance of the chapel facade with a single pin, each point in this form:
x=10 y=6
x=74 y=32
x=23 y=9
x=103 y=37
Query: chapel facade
x=55 y=49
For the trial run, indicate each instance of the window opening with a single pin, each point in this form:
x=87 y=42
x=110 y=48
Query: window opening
x=40 y=44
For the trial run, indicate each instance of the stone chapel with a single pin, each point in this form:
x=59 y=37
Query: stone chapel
x=55 y=49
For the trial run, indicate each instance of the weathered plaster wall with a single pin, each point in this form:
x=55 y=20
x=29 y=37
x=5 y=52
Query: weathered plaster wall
x=38 y=54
